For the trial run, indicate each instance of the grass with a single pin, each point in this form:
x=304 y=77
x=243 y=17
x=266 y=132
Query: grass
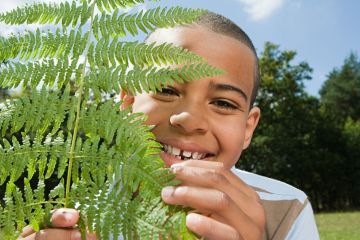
x=339 y=226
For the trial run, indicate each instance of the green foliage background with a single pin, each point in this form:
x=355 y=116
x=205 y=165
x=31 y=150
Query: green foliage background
x=311 y=143
x=64 y=144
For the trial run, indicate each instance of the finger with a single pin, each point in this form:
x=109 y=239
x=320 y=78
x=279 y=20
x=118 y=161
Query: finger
x=217 y=202
x=203 y=199
x=27 y=230
x=210 y=178
x=218 y=168
x=215 y=179
x=29 y=237
x=59 y=234
x=240 y=184
x=64 y=217
x=204 y=177
x=210 y=228
x=201 y=163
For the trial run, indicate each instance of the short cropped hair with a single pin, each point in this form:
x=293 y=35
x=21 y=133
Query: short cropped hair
x=222 y=25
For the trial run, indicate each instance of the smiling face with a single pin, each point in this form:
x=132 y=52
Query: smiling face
x=210 y=118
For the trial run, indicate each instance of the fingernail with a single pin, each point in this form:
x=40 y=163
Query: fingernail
x=26 y=231
x=68 y=214
x=76 y=236
x=167 y=192
x=68 y=217
x=192 y=219
x=176 y=167
x=26 y=228
x=70 y=211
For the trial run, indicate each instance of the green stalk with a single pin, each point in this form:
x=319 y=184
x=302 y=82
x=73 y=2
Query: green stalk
x=44 y=202
x=78 y=109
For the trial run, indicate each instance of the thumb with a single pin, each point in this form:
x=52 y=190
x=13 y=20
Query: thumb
x=64 y=217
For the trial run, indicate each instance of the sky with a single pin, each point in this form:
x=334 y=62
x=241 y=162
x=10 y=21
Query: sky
x=322 y=32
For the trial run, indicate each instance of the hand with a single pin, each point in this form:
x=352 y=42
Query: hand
x=63 y=223
x=225 y=207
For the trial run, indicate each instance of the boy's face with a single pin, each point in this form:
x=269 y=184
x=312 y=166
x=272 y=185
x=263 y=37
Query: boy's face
x=211 y=117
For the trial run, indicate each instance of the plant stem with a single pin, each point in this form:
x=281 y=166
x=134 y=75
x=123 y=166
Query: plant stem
x=44 y=202
x=78 y=110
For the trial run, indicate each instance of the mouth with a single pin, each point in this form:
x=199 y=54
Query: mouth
x=184 y=155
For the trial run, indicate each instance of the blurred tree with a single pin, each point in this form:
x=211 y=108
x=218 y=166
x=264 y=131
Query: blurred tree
x=340 y=94
x=297 y=140
x=351 y=133
x=340 y=98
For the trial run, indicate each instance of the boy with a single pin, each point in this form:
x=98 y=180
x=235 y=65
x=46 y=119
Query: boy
x=209 y=122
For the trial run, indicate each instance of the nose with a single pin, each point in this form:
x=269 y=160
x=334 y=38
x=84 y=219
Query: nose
x=189 y=122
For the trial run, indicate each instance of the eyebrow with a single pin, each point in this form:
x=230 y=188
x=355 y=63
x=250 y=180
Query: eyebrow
x=228 y=87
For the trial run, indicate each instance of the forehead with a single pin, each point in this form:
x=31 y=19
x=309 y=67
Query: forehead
x=219 y=50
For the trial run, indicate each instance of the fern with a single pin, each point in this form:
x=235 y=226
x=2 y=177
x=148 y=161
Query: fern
x=65 y=131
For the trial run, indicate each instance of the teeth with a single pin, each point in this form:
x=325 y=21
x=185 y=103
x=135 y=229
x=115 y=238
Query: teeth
x=180 y=154
x=175 y=151
x=186 y=154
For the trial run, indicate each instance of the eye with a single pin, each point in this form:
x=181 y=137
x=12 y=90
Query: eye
x=166 y=94
x=224 y=104
x=168 y=91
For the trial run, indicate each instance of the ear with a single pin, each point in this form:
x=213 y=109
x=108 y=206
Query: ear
x=127 y=99
x=251 y=123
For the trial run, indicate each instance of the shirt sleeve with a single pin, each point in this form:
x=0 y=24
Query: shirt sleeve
x=304 y=226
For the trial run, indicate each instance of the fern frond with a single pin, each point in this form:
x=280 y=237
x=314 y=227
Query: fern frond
x=47 y=72
x=45 y=13
x=43 y=45
x=9 y=212
x=28 y=113
x=105 y=161
x=30 y=207
x=116 y=25
x=115 y=53
x=29 y=155
x=167 y=217
x=147 y=79
x=92 y=155
x=110 y=5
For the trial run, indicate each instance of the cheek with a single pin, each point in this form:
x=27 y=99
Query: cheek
x=147 y=105
x=231 y=138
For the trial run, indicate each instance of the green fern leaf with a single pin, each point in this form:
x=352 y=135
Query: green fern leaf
x=60 y=72
x=110 y=5
x=144 y=21
x=44 y=13
x=115 y=53
x=105 y=161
